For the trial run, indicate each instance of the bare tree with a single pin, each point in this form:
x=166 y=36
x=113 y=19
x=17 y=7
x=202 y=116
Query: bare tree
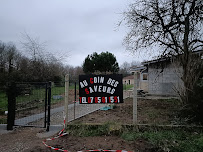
x=44 y=65
x=2 y=57
x=175 y=26
x=33 y=46
x=9 y=59
x=74 y=72
x=135 y=63
x=125 y=69
x=11 y=56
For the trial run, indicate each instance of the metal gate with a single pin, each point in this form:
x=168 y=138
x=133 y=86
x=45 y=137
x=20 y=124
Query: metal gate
x=29 y=104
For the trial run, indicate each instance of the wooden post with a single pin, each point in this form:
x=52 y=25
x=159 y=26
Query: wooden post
x=135 y=99
x=66 y=98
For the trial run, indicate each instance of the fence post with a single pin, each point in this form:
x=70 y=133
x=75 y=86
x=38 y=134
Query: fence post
x=74 y=101
x=11 y=92
x=66 y=99
x=49 y=106
x=135 y=99
x=45 y=107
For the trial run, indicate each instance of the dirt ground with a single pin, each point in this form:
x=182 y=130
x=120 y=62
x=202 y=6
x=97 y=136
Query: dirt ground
x=20 y=139
x=149 y=112
x=26 y=140
x=74 y=144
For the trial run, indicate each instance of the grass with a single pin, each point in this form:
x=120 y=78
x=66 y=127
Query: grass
x=61 y=92
x=171 y=100
x=82 y=130
x=163 y=140
x=25 y=101
x=3 y=102
x=3 y=120
x=127 y=87
x=57 y=91
x=37 y=94
x=3 y=107
x=72 y=86
x=176 y=140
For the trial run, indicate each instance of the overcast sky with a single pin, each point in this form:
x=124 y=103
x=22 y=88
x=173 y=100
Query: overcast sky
x=69 y=27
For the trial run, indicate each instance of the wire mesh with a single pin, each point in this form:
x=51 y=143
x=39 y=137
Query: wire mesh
x=151 y=109
x=30 y=104
x=106 y=113
x=57 y=102
x=76 y=111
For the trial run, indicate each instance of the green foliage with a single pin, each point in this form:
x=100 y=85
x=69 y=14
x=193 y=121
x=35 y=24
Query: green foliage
x=88 y=130
x=176 y=140
x=104 y=62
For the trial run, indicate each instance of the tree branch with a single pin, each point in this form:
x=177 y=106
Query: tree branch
x=195 y=41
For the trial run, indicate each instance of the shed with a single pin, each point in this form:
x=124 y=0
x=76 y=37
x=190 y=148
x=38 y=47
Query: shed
x=142 y=77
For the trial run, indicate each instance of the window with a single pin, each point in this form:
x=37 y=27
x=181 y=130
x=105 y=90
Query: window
x=144 y=76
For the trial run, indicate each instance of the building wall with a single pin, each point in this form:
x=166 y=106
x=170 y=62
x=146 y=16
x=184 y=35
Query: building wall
x=144 y=86
x=128 y=81
x=144 y=82
x=164 y=82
